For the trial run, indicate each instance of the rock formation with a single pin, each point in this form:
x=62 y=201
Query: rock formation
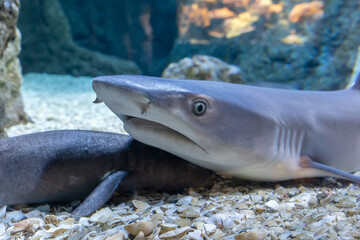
x=202 y=67
x=11 y=105
x=311 y=44
x=142 y=31
x=48 y=45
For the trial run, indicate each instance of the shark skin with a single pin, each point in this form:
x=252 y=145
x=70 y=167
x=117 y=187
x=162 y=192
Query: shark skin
x=68 y=165
x=249 y=132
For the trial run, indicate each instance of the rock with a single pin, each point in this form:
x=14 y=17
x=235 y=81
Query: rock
x=11 y=105
x=48 y=45
x=311 y=45
x=124 y=29
x=304 y=10
x=202 y=67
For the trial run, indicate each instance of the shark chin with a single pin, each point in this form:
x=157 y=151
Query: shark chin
x=161 y=136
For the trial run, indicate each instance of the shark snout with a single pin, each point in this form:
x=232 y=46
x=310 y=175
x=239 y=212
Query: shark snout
x=120 y=96
x=96 y=84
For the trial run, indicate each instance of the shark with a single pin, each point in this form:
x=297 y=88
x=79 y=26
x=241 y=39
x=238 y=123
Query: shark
x=249 y=132
x=69 y=165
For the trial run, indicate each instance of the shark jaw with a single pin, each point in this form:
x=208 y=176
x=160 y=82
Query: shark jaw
x=146 y=119
x=161 y=136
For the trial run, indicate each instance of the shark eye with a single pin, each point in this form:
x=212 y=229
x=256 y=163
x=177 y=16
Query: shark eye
x=199 y=107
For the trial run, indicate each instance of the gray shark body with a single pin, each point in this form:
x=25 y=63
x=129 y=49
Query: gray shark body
x=69 y=165
x=249 y=132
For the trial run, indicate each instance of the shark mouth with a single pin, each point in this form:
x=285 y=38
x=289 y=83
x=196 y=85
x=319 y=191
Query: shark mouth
x=149 y=132
x=139 y=127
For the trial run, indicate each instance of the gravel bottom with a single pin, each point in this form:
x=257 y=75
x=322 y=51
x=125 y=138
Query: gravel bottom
x=231 y=209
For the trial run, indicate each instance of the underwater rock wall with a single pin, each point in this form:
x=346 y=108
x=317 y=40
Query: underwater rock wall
x=309 y=43
x=48 y=45
x=142 y=31
x=11 y=105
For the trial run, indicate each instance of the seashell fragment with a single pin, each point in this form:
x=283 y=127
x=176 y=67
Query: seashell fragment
x=315 y=225
x=182 y=222
x=158 y=217
x=140 y=205
x=2 y=228
x=33 y=214
x=103 y=215
x=185 y=201
x=43 y=208
x=38 y=235
x=14 y=216
x=190 y=213
x=256 y=198
x=67 y=222
x=304 y=236
x=155 y=234
x=217 y=235
x=140 y=236
x=209 y=228
x=84 y=221
x=3 y=211
x=284 y=236
x=170 y=211
x=260 y=208
x=166 y=227
x=177 y=233
x=345 y=203
x=199 y=226
x=78 y=235
x=280 y=207
x=28 y=225
x=222 y=221
x=241 y=206
x=195 y=235
x=252 y=235
x=51 y=219
x=146 y=227
x=195 y=202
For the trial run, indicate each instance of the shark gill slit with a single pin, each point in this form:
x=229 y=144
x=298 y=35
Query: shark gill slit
x=289 y=142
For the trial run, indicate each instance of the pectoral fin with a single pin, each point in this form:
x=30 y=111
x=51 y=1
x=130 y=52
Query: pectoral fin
x=100 y=195
x=307 y=162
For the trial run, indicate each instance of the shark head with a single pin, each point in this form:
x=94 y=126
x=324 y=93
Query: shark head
x=195 y=120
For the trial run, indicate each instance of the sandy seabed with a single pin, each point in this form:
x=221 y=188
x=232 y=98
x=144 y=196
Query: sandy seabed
x=63 y=102
x=231 y=209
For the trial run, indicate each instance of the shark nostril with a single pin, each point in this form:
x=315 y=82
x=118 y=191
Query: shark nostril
x=146 y=108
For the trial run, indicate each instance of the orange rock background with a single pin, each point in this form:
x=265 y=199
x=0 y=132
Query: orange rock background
x=309 y=44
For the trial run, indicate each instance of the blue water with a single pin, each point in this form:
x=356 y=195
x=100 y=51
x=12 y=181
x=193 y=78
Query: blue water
x=51 y=84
